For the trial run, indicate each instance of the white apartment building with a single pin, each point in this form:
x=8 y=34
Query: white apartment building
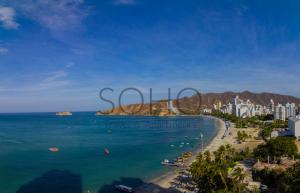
x=227 y=108
x=294 y=126
x=207 y=110
x=217 y=106
x=266 y=111
x=271 y=107
x=243 y=109
x=290 y=109
x=259 y=110
x=280 y=112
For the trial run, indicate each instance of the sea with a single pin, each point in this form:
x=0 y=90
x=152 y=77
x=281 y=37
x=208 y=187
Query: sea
x=95 y=152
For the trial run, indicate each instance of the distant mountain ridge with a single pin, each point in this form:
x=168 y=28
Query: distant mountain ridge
x=207 y=100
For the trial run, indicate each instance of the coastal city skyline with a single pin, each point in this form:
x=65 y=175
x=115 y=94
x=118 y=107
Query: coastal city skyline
x=80 y=47
x=149 y=96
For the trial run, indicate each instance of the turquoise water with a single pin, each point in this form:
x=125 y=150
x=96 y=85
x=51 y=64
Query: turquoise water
x=137 y=146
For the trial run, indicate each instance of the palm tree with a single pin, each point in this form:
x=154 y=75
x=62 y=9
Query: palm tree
x=220 y=154
x=207 y=156
x=211 y=174
x=238 y=177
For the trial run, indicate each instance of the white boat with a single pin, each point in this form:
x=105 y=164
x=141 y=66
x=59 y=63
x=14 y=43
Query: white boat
x=64 y=113
x=168 y=163
x=123 y=188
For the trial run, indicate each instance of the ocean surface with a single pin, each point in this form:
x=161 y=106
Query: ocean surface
x=137 y=145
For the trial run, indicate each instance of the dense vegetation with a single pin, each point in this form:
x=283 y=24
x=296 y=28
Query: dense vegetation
x=280 y=146
x=265 y=123
x=267 y=128
x=291 y=180
x=281 y=181
x=277 y=179
x=218 y=175
x=241 y=122
x=242 y=135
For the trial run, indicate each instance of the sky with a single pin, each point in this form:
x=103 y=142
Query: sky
x=58 y=54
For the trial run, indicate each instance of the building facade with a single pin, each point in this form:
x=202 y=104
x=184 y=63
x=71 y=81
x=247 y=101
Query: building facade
x=245 y=108
x=294 y=126
x=290 y=109
x=280 y=112
x=259 y=110
x=271 y=107
x=241 y=108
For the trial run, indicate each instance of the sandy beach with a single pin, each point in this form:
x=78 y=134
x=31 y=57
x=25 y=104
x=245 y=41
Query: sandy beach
x=163 y=183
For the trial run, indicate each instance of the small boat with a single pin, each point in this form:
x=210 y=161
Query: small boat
x=168 y=163
x=123 y=188
x=54 y=149
x=64 y=113
x=106 y=151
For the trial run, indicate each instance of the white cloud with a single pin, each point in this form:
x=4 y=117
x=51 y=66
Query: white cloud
x=124 y=2
x=41 y=82
x=3 y=50
x=56 y=15
x=7 y=18
x=54 y=76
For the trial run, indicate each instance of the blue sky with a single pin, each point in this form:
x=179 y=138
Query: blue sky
x=57 y=55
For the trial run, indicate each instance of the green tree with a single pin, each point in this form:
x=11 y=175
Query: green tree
x=238 y=177
x=280 y=146
x=290 y=182
x=211 y=175
x=242 y=135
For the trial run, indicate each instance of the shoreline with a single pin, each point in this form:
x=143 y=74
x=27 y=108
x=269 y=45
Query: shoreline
x=163 y=183
x=165 y=180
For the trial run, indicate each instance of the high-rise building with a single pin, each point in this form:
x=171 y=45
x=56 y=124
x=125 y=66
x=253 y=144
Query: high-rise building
x=243 y=109
x=217 y=106
x=227 y=108
x=294 y=126
x=280 y=112
x=230 y=108
x=271 y=107
x=290 y=109
x=259 y=110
